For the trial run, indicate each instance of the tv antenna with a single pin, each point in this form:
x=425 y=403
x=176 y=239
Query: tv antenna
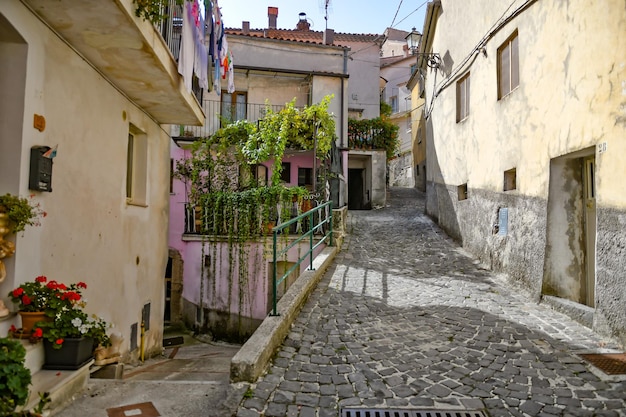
x=326 y=5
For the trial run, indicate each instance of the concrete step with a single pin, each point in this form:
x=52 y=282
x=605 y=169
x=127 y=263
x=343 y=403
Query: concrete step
x=62 y=385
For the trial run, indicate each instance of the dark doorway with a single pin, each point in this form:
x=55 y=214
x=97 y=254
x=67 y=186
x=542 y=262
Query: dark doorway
x=355 y=189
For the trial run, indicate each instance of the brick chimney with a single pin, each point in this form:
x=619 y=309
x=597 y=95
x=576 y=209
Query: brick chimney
x=245 y=27
x=329 y=36
x=303 y=24
x=272 y=15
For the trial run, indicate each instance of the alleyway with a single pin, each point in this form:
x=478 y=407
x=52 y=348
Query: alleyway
x=405 y=319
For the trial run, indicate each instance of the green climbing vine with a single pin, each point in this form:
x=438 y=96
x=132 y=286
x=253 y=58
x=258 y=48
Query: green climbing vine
x=230 y=204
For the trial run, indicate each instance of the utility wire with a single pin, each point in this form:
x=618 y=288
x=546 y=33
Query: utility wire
x=409 y=15
x=396 y=15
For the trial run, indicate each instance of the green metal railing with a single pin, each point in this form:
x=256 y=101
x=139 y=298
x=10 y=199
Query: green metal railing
x=313 y=228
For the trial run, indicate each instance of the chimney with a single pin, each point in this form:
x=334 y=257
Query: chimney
x=245 y=28
x=272 y=15
x=303 y=24
x=329 y=37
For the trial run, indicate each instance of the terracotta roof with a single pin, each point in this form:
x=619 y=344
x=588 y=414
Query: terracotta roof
x=308 y=36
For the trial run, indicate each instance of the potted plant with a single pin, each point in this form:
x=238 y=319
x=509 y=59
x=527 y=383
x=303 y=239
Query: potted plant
x=37 y=301
x=62 y=316
x=20 y=211
x=14 y=381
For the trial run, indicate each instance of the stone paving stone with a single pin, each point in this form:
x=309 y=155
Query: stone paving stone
x=404 y=317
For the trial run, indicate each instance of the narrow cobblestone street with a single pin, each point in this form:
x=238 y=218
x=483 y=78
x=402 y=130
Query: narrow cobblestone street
x=406 y=319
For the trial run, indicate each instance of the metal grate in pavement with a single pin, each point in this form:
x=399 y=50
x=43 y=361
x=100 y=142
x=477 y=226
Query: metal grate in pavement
x=384 y=412
x=609 y=363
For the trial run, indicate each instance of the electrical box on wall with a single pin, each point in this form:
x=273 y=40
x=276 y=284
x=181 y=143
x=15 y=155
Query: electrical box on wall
x=40 y=169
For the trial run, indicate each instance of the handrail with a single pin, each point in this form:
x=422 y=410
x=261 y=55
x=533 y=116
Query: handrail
x=277 y=254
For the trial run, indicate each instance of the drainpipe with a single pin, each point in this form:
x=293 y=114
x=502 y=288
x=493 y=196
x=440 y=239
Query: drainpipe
x=345 y=71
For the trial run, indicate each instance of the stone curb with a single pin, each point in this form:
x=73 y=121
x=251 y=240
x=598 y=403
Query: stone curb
x=254 y=356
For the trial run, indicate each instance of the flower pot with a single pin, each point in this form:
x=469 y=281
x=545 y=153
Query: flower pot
x=73 y=354
x=29 y=319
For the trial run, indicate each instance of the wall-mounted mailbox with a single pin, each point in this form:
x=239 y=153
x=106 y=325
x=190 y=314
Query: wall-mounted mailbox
x=40 y=169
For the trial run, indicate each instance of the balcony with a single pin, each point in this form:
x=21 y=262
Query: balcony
x=128 y=51
x=219 y=113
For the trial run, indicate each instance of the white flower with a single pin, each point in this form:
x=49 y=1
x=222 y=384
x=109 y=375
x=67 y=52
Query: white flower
x=76 y=322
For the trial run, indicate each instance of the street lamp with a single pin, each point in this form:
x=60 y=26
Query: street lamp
x=413 y=40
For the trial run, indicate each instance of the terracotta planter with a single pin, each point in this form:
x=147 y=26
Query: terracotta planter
x=29 y=319
x=74 y=353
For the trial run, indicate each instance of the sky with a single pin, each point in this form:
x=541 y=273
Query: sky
x=346 y=16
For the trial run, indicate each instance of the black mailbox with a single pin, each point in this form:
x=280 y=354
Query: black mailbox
x=40 y=169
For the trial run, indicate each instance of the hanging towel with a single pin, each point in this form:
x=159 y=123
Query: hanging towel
x=187 y=43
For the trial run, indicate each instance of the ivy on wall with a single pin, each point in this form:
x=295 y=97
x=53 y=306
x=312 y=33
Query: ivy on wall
x=230 y=204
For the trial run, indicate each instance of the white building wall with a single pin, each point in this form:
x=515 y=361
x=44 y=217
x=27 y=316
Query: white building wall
x=90 y=233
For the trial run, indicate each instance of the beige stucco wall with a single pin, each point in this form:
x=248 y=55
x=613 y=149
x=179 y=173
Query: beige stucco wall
x=90 y=233
x=571 y=97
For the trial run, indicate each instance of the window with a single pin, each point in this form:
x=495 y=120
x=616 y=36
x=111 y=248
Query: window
x=393 y=102
x=462 y=192
x=285 y=174
x=462 y=98
x=508 y=66
x=252 y=175
x=305 y=177
x=136 y=167
x=510 y=180
x=171 y=176
x=234 y=106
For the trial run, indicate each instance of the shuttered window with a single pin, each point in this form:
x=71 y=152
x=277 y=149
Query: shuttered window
x=508 y=66
x=462 y=98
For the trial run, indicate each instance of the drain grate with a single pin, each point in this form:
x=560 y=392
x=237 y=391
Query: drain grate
x=609 y=363
x=384 y=412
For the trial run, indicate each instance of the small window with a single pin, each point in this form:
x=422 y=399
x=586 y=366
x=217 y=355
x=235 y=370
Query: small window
x=234 y=106
x=171 y=175
x=285 y=174
x=136 y=167
x=462 y=192
x=259 y=173
x=305 y=177
x=462 y=98
x=508 y=66
x=393 y=101
x=510 y=180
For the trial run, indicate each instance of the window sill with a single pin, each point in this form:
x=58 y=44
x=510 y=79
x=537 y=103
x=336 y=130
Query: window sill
x=130 y=202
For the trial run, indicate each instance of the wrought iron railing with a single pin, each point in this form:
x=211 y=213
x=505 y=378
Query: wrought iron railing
x=220 y=113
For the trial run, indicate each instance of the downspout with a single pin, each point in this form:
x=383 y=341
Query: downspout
x=343 y=109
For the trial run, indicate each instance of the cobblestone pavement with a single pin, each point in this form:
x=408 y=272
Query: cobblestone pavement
x=405 y=319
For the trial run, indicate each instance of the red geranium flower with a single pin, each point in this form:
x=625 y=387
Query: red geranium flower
x=59 y=341
x=38 y=333
x=41 y=278
x=81 y=285
x=17 y=292
x=26 y=300
x=13 y=329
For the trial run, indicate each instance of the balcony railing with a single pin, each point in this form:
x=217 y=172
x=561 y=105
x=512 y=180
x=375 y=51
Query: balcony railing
x=171 y=28
x=220 y=113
